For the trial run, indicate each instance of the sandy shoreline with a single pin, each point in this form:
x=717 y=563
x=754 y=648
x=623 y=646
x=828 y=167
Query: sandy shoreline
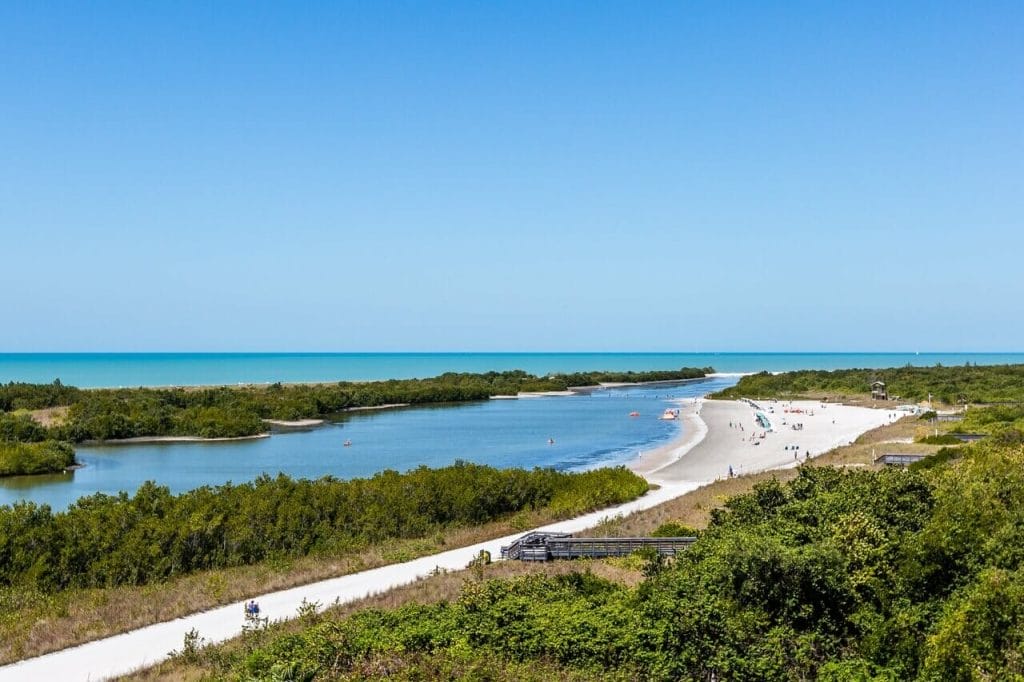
x=293 y=423
x=722 y=434
x=692 y=431
x=172 y=439
x=386 y=406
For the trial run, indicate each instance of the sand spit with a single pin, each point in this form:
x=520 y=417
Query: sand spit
x=293 y=423
x=173 y=439
x=733 y=438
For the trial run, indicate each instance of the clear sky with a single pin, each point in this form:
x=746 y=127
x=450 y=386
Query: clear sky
x=511 y=176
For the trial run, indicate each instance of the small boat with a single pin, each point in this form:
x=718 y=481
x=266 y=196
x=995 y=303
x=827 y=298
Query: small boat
x=634 y=413
x=670 y=414
x=347 y=443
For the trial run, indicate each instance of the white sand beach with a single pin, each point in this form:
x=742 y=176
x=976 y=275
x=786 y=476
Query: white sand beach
x=174 y=439
x=294 y=423
x=719 y=434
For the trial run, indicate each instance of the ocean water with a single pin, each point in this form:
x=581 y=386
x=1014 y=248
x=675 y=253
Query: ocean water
x=93 y=370
x=589 y=429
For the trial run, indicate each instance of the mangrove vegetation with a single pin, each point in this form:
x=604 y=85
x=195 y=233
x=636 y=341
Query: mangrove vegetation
x=35 y=458
x=950 y=385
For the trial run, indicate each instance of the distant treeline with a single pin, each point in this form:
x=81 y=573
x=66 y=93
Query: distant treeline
x=105 y=414
x=950 y=385
x=835 y=576
x=105 y=541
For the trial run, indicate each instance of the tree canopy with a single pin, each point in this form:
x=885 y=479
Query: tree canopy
x=950 y=385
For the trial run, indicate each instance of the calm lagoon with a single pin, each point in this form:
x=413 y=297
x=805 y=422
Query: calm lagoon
x=589 y=429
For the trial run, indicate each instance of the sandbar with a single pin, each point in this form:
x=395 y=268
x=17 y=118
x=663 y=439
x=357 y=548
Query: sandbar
x=293 y=423
x=172 y=439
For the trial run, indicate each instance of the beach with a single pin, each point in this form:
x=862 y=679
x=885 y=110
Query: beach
x=141 y=440
x=722 y=435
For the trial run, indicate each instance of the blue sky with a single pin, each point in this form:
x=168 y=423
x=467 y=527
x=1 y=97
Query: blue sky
x=511 y=176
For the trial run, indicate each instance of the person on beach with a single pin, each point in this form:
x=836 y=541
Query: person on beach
x=730 y=471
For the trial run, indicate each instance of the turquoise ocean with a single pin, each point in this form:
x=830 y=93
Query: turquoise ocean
x=589 y=429
x=92 y=370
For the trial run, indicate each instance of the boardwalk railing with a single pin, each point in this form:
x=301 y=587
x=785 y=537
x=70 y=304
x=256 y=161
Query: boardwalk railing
x=548 y=546
x=900 y=459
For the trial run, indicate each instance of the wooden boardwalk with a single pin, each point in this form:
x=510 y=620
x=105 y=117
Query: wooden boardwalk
x=550 y=546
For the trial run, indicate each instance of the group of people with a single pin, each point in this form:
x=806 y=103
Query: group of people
x=252 y=609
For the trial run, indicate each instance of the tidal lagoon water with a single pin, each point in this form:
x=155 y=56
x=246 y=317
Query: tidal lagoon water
x=94 y=370
x=589 y=430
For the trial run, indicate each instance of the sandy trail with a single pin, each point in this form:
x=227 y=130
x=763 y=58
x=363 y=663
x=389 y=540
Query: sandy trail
x=705 y=450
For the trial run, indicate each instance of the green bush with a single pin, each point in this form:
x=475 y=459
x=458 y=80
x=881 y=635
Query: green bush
x=941 y=457
x=675 y=530
x=35 y=458
x=103 y=540
x=940 y=439
x=950 y=385
x=21 y=428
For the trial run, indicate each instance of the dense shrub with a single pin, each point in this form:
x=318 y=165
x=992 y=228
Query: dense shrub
x=950 y=385
x=35 y=458
x=940 y=439
x=105 y=540
x=21 y=427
